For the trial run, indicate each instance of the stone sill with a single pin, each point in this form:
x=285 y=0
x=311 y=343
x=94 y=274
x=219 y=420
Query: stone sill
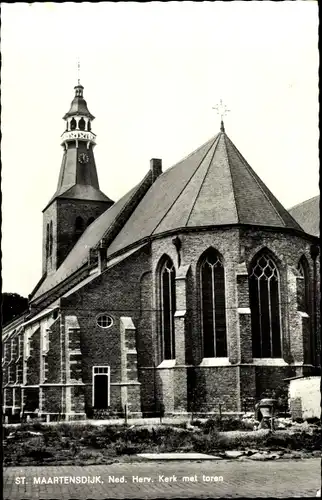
x=180 y=314
x=128 y=382
x=303 y=314
x=167 y=363
x=269 y=362
x=243 y=310
x=215 y=362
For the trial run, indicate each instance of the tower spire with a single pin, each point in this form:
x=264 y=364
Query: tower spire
x=78 y=71
x=221 y=110
x=78 y=195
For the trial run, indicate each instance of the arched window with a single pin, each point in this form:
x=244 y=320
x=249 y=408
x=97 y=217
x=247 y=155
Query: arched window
x=89 y=126
x=73 y=124
x=213 y=305
x=90 y=220
x=303 y=288
x=79 y=226
x=51 y=238
x=47 y=241
x=168 y=308
x=81 y=124
x=265 y=307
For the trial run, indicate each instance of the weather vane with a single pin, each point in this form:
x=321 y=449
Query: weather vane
x=222 y=111
x=78 y=71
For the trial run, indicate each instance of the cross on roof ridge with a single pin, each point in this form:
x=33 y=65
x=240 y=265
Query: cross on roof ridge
x=221 y=110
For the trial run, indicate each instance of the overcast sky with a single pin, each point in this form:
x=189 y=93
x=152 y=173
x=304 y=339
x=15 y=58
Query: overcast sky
x=151 y=74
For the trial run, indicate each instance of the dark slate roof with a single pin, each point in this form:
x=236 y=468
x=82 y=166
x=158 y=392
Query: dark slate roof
x=80 y=252
x=81 y=192
x=307 y=214
x=212 y=186
x=79 y=106
x=78 y=181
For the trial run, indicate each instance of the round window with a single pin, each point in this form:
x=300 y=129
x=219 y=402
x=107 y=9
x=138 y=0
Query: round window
x=104 y=321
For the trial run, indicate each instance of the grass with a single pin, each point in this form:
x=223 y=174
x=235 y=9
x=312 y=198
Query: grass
x=84 y=444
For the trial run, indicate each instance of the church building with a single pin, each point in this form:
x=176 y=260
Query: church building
x=197 y=289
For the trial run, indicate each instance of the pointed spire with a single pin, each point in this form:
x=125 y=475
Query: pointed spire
x=78 y=71
x=222 y=126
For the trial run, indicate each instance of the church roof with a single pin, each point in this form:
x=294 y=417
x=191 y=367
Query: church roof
x=307 y=214
x=213 y=186
x=80 y=192
x=79 y=253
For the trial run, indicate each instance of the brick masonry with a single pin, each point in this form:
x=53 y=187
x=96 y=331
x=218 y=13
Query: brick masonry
x=59 y=381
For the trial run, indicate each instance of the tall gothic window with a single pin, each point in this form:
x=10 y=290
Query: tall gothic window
x=265 y=307
x=168 y=308
x=303 y=289
x=213 y=305
x=47 y=241
x=79 y=225
x=51 y=238
x=73 y=124
x=90 y=220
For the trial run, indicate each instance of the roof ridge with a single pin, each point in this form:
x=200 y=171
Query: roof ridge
x=305 y=201
x=186 y=184
x=213 y=138
x=202 y=183
x=231 y=177
x=256 y=178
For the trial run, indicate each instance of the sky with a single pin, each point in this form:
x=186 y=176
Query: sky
x=152 y=73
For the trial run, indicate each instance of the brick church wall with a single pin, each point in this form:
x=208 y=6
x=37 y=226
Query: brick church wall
x=115 y=292
x=54 y=354
x=67 y=211
x=33 y=362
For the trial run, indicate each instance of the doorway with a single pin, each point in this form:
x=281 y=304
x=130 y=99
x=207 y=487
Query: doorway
x=101 y=387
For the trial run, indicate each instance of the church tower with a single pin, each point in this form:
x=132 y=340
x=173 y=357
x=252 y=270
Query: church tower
x=78 y=201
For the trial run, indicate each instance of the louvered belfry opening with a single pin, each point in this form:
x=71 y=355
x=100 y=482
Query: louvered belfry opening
x=168 y=308
x=265 y=307
x=213 y=305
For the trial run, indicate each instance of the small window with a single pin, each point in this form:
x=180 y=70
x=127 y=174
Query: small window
x=90 y=220
x=104 y=321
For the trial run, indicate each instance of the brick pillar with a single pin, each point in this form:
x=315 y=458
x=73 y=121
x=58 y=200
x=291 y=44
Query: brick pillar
x=180 y=318
x=296 y=319
x=316 y=301
x=73 y=357
x=246 y=373
x=180 y=328
x=130 y=386
x=244 y=343
x=165 y=386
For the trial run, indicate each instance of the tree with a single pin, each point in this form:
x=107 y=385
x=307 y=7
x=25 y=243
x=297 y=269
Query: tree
x=13 y=305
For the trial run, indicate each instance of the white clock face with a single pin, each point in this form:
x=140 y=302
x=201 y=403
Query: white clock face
x=83 y=158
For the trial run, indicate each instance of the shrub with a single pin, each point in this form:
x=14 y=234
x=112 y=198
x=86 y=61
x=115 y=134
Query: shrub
x=206 y=443
x=196 y=423
x=212 y=424
x=314 y=420
x=227 y=424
